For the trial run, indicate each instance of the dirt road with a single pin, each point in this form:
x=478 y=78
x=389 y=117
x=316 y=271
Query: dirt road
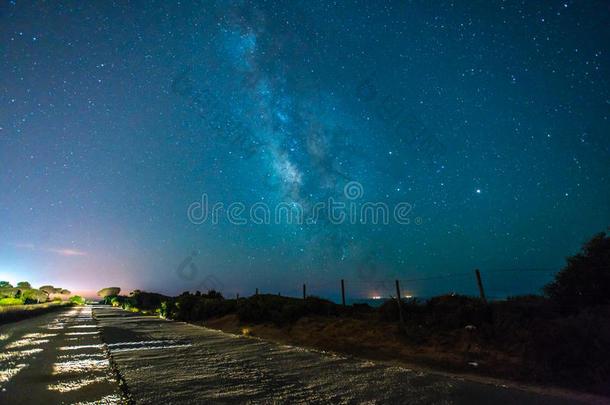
x=173 y=362
x=55 y=358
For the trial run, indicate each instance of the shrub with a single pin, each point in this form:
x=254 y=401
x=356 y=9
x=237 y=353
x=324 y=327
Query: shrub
x=11 y=301
x=359 y=308
x=573 y=349
x=452 y=311
x=320 y=306
x=166 y=308
x=77 y=300
x=145 y=300
x=123 y=301
x=282 y=310
x=213 y=294
x=412 y=308
x=189 y=307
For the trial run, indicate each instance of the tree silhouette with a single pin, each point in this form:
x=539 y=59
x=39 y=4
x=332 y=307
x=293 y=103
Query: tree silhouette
x=8 y=292
x=49 y=289
x=77 y=299
x=109 y=291
x=585 y=281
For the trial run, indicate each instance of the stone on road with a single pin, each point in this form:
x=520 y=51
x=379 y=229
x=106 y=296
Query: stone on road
x=55 y=358
x=165 y=361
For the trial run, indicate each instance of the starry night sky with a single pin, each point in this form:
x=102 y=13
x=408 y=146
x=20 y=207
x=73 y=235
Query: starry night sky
x=490 y=118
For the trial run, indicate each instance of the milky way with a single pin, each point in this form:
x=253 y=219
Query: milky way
x=488 y=120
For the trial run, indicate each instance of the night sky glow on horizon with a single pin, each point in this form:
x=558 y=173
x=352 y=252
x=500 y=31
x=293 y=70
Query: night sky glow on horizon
x=488 y=119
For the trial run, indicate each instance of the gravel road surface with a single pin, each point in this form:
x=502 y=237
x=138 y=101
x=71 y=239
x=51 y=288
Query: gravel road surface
x=165 y=361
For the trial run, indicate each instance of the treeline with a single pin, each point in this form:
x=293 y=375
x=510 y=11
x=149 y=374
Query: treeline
x=24 y=293
x=256 y=309
x=12 y=313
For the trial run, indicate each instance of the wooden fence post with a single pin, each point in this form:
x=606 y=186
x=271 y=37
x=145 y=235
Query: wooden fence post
x=402 y=321
x=476 y=272
x=304 y=292
x=343 y=292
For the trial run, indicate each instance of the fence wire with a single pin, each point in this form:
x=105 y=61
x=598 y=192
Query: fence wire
x=497 y=284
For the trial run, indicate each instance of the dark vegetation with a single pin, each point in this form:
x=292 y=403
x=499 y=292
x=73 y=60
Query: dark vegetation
x=77 y=300
x=19 y=312
x=24 y=294
x=109 y=292
x=23 y=301
x=561 y=337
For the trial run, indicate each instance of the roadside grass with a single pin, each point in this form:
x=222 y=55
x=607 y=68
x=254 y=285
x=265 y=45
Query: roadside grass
x=12 y=313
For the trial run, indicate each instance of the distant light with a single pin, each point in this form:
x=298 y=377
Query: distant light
x=376 y=297
x=478 y=191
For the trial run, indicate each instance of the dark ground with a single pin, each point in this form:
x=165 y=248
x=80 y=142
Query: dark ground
x=55 y=358
x=165 y=361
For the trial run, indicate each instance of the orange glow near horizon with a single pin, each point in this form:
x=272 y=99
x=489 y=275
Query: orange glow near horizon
x=378 y=297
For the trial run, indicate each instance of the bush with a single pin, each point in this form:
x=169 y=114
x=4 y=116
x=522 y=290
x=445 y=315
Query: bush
x=573 y=349
x=123 y=301
x=282 y=310
x=77 y=300
x=166 y=309
x=147 y=301
x=107 y=300
x=412 y=308
x=11 y=301
x=213 y=294
x=196 y=307
x=189 y=307
x=453 y=311
x=361 y=308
